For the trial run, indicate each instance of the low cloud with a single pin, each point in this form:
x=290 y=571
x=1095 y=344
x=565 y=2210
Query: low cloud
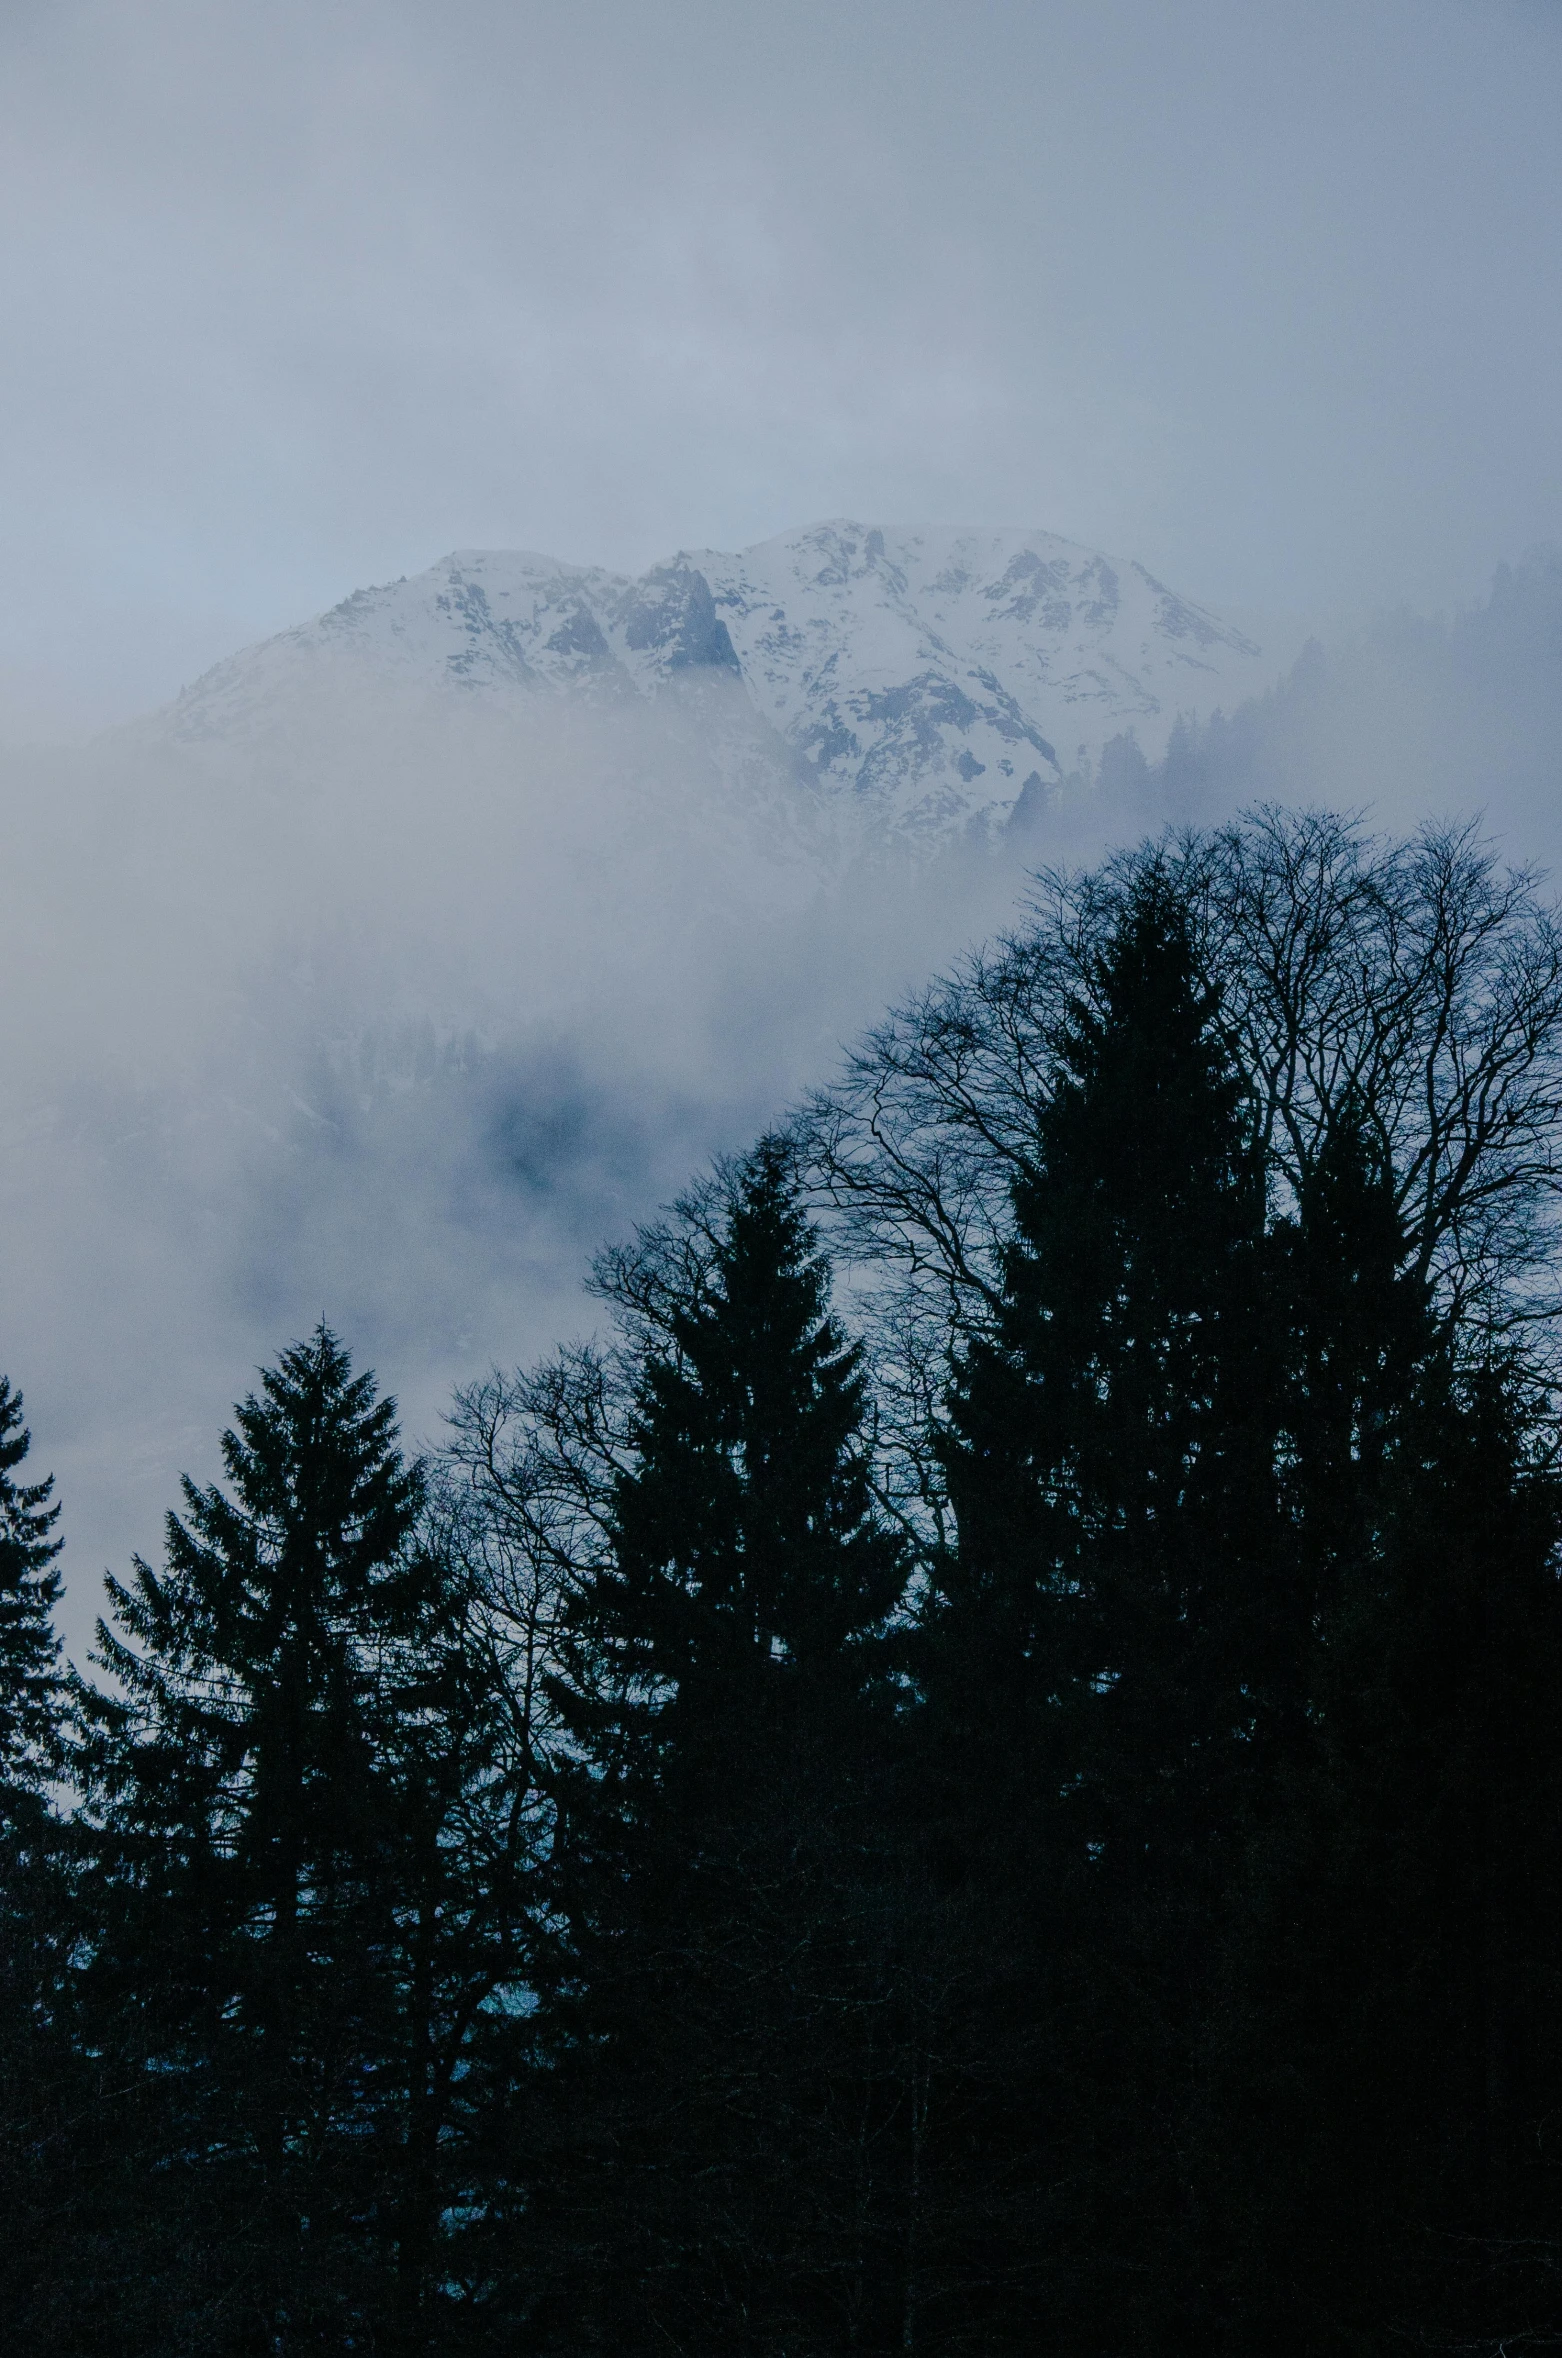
x=395 y=1009
x=390 y=1013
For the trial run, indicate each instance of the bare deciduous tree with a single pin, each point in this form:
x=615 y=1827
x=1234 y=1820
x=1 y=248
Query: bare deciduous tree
x=525 y=1484
x=1418 y=982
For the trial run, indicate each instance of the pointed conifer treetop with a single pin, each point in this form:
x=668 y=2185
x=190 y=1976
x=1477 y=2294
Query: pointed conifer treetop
x=30 y=1683
x=1143 y=1200
x=1362 y=1308
x=1108 y=1444
x=1146 y=1136
x=255 y=1644
x=745 y=1539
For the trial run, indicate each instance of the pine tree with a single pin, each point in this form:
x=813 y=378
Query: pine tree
x=30 y=1684
x=299 y=1786
x=1360 y=1348
x=727 y=1672
x=1116 y=1418
x=1384 y=2068
x=1095 y=1662
x=44 y=2095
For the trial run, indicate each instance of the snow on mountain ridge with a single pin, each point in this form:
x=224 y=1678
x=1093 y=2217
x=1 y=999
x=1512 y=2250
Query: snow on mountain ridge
x=917 y=680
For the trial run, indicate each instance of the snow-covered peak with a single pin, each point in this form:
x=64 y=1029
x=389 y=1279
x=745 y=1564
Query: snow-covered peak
x=911 y=680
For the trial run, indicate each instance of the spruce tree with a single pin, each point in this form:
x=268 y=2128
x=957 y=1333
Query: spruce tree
x=1115 y=1421
x=30 y=1684
x=298 y=1782
x=723 y=1872
x=45 y=2096
x=1384 y=2071
x=1094 y=1658
x=1360 y=1348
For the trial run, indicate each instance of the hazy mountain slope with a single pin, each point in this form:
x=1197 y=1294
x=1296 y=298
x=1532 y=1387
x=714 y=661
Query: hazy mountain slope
x=1454 y=716
x=896 y=685
x=415 y=951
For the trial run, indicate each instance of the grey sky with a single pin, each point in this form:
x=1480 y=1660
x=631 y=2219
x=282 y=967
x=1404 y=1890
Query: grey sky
x=295 y=297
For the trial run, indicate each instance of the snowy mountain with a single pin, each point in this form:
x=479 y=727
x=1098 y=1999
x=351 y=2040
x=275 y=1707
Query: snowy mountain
x=906 y=683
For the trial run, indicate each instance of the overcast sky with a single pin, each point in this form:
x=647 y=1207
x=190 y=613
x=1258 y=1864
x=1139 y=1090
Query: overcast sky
x=299 y=296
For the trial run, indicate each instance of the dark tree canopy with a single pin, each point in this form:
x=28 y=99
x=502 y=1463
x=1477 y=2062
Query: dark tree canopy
x=1034 y=1823
x=1106 y=1450
x=30 y=1682
x=1412 y=989
x=45 y=2092
x=725 y=1671
x=307 y=1812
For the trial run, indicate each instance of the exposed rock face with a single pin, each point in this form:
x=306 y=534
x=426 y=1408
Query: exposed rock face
x=911 y=683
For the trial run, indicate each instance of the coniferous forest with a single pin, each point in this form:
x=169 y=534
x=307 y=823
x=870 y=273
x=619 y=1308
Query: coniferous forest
x=980 y=1771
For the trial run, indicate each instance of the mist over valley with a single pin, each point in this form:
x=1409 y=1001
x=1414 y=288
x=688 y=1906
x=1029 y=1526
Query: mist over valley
x=406 y=959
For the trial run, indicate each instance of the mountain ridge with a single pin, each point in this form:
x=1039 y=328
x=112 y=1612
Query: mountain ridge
x=912 y=681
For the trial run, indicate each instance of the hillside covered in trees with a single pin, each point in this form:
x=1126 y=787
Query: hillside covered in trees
x=977 y=1772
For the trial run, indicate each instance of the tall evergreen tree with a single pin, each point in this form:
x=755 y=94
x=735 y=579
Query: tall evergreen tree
x=30 y=1684
x=1094 y=1660
x=1114 y=1424
x=1383 y=2069
x=1242 y=1688
x=723 y=1877
x=299 y=1792
x=45 y=2097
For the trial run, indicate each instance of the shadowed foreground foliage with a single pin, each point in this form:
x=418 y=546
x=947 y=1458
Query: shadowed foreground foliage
x=1038 y=1825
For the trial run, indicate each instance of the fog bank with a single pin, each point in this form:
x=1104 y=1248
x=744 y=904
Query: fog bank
x=394 y=1011
x=389 y=1015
